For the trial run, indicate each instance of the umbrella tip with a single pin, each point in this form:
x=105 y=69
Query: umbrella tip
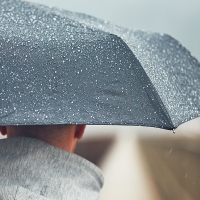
x=173 y=130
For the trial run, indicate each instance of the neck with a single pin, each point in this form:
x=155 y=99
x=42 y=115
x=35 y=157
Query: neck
x=62 y=138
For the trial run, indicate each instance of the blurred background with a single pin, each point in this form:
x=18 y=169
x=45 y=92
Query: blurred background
x=145 y=163
x=138 y=162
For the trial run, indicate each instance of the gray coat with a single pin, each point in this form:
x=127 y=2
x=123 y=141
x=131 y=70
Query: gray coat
x=31 y=169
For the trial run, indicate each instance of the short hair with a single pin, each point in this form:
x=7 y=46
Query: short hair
x=39 y=129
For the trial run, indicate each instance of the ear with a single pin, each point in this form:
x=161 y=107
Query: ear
x=3 y=130
x=79 y=131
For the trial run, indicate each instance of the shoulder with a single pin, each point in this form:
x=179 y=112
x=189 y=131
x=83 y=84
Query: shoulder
x=18 y=193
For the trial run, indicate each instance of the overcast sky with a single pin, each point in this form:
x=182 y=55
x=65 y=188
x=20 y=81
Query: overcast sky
x=179 y=18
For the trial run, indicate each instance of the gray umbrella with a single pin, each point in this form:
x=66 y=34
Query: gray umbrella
x=59 y=67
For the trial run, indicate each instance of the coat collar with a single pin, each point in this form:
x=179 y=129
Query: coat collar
x=48 y=171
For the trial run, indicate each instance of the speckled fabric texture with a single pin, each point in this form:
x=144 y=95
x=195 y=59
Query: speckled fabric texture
x=31 y=169
x=60 y=67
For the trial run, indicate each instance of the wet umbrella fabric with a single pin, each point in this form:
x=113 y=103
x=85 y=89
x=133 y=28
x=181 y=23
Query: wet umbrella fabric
x=59 y=67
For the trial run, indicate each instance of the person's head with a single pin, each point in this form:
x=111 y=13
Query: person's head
x=61 y=136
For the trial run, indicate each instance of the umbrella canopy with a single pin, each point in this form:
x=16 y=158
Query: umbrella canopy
x=60 y=67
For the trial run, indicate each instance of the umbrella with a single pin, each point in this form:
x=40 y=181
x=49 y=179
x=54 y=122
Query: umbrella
x=61 y=67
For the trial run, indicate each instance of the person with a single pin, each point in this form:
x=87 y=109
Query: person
x=43 y=82
x=37 y=162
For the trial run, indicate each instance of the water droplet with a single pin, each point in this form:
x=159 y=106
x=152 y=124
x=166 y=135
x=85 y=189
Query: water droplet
x=185 y=175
